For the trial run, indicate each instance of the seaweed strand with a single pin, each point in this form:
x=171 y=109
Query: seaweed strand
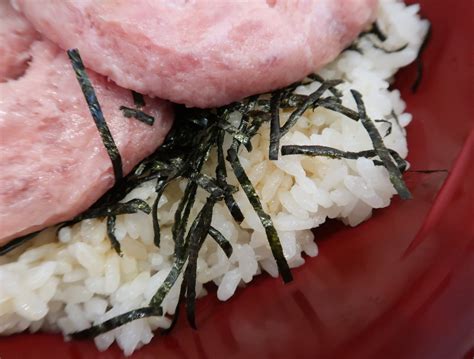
x=138 y=99
x=221 y=241
x=159 y=189
x=138 y=115
x=115 y=322
x=382 y=151
x=195 y=244
x=96 y=112
x=419 y=60
x=132 y=206
x=265 y=219
x=275 y=126
x=111 y=234
x=311 y=99
x=315 y=150
x=221 y=174
x=17 y=242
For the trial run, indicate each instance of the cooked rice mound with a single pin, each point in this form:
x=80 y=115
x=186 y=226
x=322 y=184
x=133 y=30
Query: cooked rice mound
x=69 y=282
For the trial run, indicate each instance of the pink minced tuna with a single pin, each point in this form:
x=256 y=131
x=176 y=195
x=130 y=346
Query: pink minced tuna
x=53 y=164
x=16 y=37
x=202 y=53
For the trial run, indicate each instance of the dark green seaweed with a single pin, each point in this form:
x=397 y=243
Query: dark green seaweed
x=252 y=196
x=182 y=214
x=111 y=233
x=96 y=112
x=17 y=242
x=114 y=209
x=397 y=121
x=138 y=100
x=115 y=322
x=331 y=104
x=221 y=175
x=238 y=135
x=182 y=296
x=391 y=51
x=138 y=115
x=315 y=150
x=196 y=240
x=354 y=47
x=265 y=219
x=275 y=125
x=382 y=151
x=332 y=88
x=419 y=60
x=389 y=129
x=207 y=183
x=310 y=100
x=375 y=29
x=159 y=189
x=379 y=35
x=221 y=241
x=428 y=171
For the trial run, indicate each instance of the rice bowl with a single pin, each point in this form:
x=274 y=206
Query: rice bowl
x=343 y=193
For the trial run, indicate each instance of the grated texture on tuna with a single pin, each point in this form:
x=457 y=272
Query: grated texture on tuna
x=16 y=37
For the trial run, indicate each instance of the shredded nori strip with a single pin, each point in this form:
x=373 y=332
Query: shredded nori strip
x=335 y=106
x=397 y=121
x=389 y=129
x=265 y=219
x=195 y=244
x=354 y=47
x=419 y=60
x=275 y=125
x=382 y=151
x=380 y=36
x=17 y=242
x=182 y=215
x=138 y=99
x=194 y=238
x=111 y=233
x=96 y=112
x=182 y=295
x=115 y=209
x=315 y=150
x=238 y=135
x=115 y=322
x=221 y=241
x=391 y=51
x=170 y=280
x=208 y=184
x=138 y=115
x=221 y=175
x=311 y=100
x=159 y=189
x=375 y=29
x=332 y=87
x=428 y=171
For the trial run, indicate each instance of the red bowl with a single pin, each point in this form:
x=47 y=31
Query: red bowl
x=397 y=286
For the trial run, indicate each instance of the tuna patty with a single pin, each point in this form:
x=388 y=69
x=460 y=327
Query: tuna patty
x=202 y=53
x=53 y=162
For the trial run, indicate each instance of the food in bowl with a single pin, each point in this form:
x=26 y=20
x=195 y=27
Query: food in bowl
x=232 y=192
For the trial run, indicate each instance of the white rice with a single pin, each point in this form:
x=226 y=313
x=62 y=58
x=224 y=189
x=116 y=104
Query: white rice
x=69 y=284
